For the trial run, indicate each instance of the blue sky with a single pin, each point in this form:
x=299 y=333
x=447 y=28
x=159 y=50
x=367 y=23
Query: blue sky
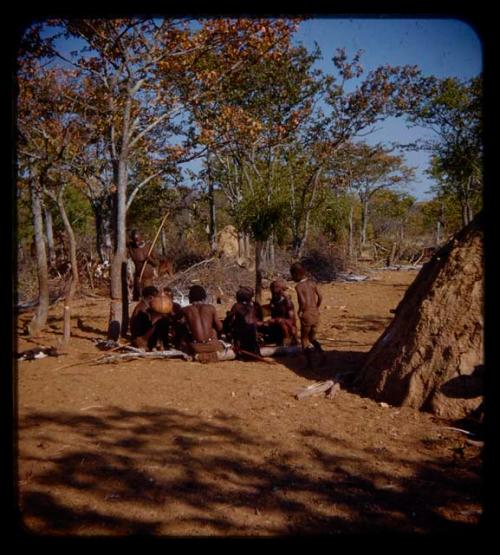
x=440 y=47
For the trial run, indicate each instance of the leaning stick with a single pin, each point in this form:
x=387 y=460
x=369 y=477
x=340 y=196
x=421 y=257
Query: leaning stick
x=152 y=245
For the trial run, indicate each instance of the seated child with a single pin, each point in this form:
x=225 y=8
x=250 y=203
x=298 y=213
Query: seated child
x=147 y=327
x=241 y=323
x=281 y=328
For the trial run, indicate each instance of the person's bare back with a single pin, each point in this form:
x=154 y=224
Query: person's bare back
x=202 y=321
x=308 y=296
x=309 y=299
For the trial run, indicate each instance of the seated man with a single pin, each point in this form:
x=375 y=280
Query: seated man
x=281 y=328
x=174 y=318
x=146 y=325
x=241 y=323
x=199 y=327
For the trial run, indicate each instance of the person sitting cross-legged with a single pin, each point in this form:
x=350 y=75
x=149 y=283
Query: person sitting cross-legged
x=281 y=328
x=200 y=327
x=147 y=326
x=241 y=323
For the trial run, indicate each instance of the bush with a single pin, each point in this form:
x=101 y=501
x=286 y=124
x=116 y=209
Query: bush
x=323 y=260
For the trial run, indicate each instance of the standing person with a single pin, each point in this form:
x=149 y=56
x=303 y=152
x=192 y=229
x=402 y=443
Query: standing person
x=138 y=251
x=309 y=299
x=147 y=326
x=241 y=322
x=282 y=327
x=202 y=327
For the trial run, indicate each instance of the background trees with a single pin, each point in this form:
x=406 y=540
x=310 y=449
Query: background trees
x=452 y=110
x=224 y=121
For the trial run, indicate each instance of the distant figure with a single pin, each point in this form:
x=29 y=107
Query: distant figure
x=147 y=327
x=138 y=251
x=281 y=328
x=201 y=326
x=309 y=299
x=242 y=321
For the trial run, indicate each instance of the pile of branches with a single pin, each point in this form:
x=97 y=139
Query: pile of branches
x=220 y=277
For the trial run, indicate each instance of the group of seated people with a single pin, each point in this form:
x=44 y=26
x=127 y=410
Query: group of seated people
x=196 y=328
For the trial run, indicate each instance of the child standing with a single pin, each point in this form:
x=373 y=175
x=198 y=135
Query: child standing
x=309 y=299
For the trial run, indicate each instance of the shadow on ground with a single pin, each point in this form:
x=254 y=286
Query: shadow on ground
x=177 y=469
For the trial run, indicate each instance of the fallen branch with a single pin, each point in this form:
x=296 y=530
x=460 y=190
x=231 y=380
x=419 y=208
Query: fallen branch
x=87 y=361
x=177 y=276
x=125 y=357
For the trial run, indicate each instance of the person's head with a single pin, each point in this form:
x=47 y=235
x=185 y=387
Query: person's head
x=297 y=271
x=244 y=294
x=278 y=287
x=135 y=236
x=197 y=294
x=149 y=292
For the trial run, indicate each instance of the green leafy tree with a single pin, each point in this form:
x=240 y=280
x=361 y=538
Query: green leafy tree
x=452 y=109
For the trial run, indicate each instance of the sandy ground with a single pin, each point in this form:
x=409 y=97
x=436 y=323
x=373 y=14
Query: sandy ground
x=179 y=448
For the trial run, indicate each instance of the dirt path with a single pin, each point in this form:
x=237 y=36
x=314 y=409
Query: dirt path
x=178 y=448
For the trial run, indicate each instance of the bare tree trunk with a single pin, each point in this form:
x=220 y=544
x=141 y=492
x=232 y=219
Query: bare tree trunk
x=241 y=244
x=73 y=280
x=71 y=238
x=258 y=271
x=163 y=240
x=49 y=231
x=125 y=315
x=272 y=260
x=212 y=220
x=246 y=243
x=438 y=232
x=465 y=214
x=40 y=319
x=102 y=218
x=119 y=259
x=70 y=291
x=364 y=222
x=351 y=231
x=392 y=255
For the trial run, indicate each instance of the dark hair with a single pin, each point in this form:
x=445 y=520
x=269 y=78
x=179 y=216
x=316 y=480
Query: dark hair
x=197 y=293
x=297 y=270
x=133 y=233
x=149 y=291
x=244 y=294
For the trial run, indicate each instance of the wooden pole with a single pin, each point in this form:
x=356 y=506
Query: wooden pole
x=152 y=246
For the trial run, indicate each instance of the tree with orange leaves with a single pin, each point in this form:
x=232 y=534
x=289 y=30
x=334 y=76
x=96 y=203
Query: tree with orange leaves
x=142 y=73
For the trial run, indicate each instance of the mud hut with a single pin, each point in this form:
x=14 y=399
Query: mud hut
x=431 y=355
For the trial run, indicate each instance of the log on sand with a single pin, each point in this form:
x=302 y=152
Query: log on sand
x=229 y=354
x=317 y=388
x=280 y=351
